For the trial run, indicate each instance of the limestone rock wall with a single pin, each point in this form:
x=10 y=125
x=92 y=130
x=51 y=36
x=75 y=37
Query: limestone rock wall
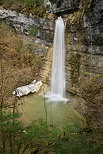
x=84 y=37
x=84 y=41
x=60 y=7
x=23 y=24
x=84 y=45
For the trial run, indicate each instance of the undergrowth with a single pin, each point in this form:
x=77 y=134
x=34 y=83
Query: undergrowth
x=34 y=7
x=29 y=3
x=39 y=137
x=19 y=64
x=92 y=92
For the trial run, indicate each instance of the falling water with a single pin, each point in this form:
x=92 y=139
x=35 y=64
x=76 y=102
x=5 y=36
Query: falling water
x=57 y=89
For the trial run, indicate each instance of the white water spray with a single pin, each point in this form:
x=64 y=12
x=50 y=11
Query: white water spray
x=57 y=89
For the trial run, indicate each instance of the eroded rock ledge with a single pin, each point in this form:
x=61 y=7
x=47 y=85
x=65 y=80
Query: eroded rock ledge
x=60 y=7
x=23 y=24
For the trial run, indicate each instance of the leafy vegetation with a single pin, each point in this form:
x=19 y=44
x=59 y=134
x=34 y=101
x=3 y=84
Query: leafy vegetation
x=25 y=6
x=30 y=3
x=39 y=137
x=33 y=31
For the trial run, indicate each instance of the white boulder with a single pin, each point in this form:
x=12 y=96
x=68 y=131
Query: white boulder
x=25 y=90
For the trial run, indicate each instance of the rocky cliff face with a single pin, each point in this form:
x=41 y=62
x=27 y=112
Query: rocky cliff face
x=61 y=7
x=84 y=41
x=84 y=49
x=84 y=59
x=23 y=24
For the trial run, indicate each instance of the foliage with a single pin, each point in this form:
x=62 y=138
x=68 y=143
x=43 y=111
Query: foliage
x=9 y=131
x=41 y=137
x=19 y=139
x=33 y=31
x=35 y=7
x=19 y=62
x=26 y=2
x=33 y=2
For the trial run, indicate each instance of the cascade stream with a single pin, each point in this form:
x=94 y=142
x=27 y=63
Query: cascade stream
x=57 y=87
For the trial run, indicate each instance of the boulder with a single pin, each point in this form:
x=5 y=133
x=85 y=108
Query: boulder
x=27 y=89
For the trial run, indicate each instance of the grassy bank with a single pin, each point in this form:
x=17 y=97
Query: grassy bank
x=34 y=7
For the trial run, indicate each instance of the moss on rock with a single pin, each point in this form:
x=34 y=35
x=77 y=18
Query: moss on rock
x=74 y=62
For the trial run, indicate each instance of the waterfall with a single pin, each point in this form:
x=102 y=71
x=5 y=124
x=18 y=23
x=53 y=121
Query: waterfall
x=57 y=87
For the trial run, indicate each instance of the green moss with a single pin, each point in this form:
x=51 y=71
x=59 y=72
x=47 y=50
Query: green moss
x=84 y=7
x=33 y=31
x=74 y=61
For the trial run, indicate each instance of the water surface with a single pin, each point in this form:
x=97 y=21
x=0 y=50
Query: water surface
x=55 y=113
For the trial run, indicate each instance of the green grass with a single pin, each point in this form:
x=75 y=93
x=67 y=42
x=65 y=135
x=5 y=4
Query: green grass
x=26 y=2
x=33 y=31
x=35 y=7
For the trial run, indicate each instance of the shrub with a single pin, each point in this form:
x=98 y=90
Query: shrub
x=33 y=31
x=34 y=2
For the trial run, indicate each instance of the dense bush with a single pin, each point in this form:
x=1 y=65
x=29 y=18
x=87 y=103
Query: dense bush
x=41 y=138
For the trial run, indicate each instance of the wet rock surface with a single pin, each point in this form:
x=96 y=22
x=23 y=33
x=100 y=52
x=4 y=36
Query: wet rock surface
x=84 y=55
x=84 y=42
